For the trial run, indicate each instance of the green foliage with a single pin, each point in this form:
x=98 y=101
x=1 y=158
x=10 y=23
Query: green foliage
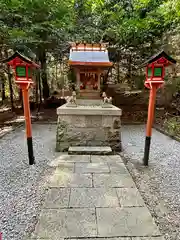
x=71 y=76
x=139 y=81
x=172 y=125
x=133 y=27
x=52 y=23
x=36 y=22
x=173 y=86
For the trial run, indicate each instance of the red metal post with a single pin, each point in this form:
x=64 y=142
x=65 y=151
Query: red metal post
x=152 y=99
x=27 y=115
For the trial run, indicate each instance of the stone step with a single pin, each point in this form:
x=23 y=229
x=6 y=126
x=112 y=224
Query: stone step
x=85 y=150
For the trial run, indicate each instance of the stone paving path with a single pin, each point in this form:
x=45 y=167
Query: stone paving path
x=91 y=197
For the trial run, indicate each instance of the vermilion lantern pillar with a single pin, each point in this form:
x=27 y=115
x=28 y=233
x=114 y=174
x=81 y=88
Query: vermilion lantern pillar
x=23 y=69
x=155 y=73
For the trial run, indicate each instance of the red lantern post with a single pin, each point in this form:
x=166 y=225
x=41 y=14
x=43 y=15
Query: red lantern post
x=155 y=72
x=23 y=68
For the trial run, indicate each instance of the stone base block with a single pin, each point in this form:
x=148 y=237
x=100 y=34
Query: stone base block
x=93 y=128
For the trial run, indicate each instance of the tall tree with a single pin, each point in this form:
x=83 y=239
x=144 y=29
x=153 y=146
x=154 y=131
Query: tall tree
x=38 y=24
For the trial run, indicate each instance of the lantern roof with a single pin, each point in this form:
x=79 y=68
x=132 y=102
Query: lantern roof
x=20 y=56
x=158 y=56
x=89 y=55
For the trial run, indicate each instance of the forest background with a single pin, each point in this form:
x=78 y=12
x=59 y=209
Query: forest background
x=133 y=29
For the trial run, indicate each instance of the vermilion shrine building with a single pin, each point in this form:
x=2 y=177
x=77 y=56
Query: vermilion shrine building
x=89 y=62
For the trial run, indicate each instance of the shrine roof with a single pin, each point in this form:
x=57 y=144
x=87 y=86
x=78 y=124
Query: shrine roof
x=22 y=57
x=158 y=56
x=84 y=54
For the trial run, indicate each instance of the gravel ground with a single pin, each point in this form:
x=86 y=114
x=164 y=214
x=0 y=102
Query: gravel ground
x=22 y=187
x=159 y=184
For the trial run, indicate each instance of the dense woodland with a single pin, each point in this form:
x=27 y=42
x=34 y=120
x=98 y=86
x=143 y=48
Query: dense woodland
x=44 y=29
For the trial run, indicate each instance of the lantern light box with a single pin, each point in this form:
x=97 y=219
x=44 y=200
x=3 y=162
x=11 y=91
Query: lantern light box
x=155 y=69
x=23 y=68
x=21 y=71
x=157 y=72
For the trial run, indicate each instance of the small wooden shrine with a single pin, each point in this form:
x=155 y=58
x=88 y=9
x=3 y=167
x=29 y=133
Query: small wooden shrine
x=89 y=62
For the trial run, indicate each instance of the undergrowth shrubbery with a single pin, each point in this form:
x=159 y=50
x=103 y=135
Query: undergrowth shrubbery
x=172 y=125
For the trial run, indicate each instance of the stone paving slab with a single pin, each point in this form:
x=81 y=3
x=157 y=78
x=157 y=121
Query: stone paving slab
x=57 y=198
x=148 y=238
x=57 y=238
x=66 y=179
x=93 y=197
x=114 y=238
x=99 y=159
x=117 y=167
x=115 y=158
x=90 y=150
x=129 y=197
x=64 y=167
x=135 y=221
x=113 y=180
x=61 y=223
x=108 y=158
x=69 y=158
x=91 y=168
x=87 y=200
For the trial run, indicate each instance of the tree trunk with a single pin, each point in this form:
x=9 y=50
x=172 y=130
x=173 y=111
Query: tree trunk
x=118 y=72
x=130 y=80
x=105 y=77
x=118 y=66
x=10 y=89
x=3 y=89
x=39 y=85
x=37 y=90
x=21 y=98
x=10 y=83
x=2 y=82
x=20 y=95
x=56 y=72
x=42 y=59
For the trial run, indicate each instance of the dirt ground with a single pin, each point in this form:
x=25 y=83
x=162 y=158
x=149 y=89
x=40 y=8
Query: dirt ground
x=130 y=115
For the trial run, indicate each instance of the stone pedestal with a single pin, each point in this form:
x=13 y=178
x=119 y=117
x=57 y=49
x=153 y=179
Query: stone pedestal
x=88 y=124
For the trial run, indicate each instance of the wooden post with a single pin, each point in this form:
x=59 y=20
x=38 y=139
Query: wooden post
x=78 y=78
x=99 y=79
x=28 y=123
x=152 y=99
